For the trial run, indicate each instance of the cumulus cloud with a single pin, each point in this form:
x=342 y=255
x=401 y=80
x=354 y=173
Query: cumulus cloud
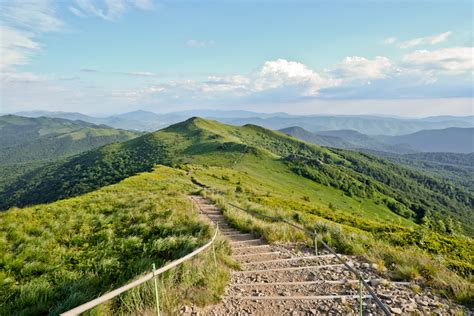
x=429 y=40
x=356 y=68
x=455 y=60
x=192 y=43
x=282 y=73
x=108 y=9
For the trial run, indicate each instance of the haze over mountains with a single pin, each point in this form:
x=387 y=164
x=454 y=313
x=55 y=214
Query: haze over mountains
x=386 y=134
x=453 y=139
x=366 y=124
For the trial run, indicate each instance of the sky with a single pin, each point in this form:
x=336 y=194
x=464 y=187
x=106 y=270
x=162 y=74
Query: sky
x=406 y=58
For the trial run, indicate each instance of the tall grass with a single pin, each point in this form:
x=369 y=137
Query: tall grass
x=57 y=256
x=444 y=263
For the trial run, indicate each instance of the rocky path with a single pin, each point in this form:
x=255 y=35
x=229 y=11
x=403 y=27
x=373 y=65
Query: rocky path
x=291 y=280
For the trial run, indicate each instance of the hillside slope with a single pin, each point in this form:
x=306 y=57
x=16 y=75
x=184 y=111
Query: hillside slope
x=317 y=139
x=359 y=176
x=360 y=205
x=55 y=257
x=37 y=139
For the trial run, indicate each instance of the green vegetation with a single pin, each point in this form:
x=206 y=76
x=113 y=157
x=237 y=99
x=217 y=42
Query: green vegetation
x=27 y=144
x=410 y=252
x=360 y=176
x=455 y=167
x=416 y=225
x=57 y=256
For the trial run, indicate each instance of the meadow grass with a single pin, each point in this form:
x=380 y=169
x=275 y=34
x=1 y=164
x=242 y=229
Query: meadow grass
x=402 y=250
x=59 y=255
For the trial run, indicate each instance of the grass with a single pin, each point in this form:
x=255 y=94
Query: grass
x=59 y=255
x=277 y=194
x=62 y=254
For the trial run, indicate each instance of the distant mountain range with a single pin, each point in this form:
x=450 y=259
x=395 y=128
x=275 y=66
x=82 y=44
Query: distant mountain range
x=365 y=124
x=24 y=139
x=212 y=142
x=455 y=140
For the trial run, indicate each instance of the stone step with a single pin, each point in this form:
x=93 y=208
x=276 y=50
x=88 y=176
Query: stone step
x=257 y=254
x=312 y=298
x=291 y=259
x=246 y=241
x=291 y=268
x=243 y=248
x=295 y=288
x=332 y=273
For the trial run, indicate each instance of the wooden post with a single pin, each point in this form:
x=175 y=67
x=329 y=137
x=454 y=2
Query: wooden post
x=360 y=296
x=214 y=248
x=315 y=243
x=157 y=299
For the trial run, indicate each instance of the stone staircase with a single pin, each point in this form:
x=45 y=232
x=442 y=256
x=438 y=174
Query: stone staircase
x=278 y=279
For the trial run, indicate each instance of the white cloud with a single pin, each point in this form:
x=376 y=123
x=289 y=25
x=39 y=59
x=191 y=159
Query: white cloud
x=356 y=68
x=389 y=40
x=453 y=60
x=38 y=16
x=140 y=74
x=192 y=43
x=108 y=9
x=21 y=23
x=429 y=40
x=16 y=47
x=23 y=77
x=282 y=73
x=234 y=83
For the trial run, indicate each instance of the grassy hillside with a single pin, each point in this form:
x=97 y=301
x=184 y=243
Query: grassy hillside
x=361 y=204
x=360 y=176
x=455 y=167
x=24 y=140
x=57 y=256
x=317 y=139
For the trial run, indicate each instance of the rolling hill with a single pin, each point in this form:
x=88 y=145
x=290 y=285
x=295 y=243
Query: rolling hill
x=25 y=139
x=317 y=139
x=359 y=176
x=408 y=221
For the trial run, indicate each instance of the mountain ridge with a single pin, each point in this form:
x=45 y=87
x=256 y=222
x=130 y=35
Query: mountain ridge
x=366 y=124
x=197 y=140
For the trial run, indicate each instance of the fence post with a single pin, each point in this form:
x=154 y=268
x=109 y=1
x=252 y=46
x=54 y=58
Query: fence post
x=360 y=296
x=214 y=249
x=315 y=243
x=156 y=292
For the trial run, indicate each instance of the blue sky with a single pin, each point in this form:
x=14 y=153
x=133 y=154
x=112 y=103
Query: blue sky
x=411 y=58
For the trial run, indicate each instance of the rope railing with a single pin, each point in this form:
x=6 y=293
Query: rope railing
x=102 y=299
x=332 y=251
